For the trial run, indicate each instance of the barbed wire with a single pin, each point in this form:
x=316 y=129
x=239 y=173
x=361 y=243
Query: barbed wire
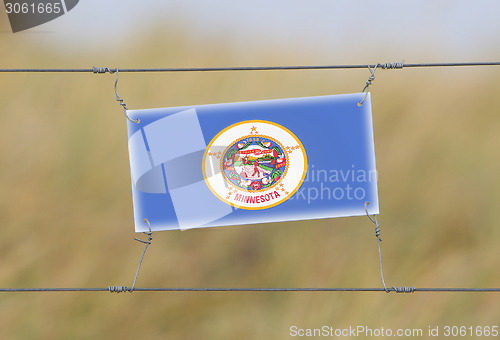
x=122 y=289
x=398 y=65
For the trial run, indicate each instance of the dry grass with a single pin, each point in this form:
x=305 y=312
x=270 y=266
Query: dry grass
x=66 y=210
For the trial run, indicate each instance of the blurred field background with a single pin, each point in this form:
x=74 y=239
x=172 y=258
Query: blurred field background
x=66 y=207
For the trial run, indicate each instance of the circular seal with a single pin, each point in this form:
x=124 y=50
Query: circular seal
x=254 y=164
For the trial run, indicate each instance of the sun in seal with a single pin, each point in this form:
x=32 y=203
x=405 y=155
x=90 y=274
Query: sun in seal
x=254 y=164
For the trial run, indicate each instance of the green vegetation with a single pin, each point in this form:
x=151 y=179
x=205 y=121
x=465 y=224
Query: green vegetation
x=231 y=153
x=275 y=174
x=234 y=176
x=265 y=167
x=262 y=145
x=275 y=148
x=267 y=157
x=247 y=144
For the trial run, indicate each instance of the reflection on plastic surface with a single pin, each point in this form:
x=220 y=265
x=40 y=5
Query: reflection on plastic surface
x=252 y=162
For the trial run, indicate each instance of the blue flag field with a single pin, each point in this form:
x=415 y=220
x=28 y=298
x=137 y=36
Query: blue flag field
x=252 y=162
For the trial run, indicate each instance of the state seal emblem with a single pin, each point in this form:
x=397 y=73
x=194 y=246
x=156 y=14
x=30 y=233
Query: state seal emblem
x=254 y=164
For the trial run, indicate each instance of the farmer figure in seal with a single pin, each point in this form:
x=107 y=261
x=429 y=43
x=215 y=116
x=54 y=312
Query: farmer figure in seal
x=256 y=168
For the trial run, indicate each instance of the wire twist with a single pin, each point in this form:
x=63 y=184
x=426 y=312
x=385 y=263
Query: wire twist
x=147 y=243
x=122 y=289
x=368 y=83
x=117 y=289
x=120 y=100
x=377 y=234
x=102 y=70
x=373 y=218
x=404 y=289
x=392 y=66
x=371 y=78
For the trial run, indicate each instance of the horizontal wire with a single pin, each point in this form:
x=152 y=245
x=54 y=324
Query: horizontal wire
x=120 y=289
x=125 y=289
x=245 y=68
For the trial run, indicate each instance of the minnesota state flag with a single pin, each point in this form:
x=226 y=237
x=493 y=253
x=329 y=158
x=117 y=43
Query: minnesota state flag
x=252 y=162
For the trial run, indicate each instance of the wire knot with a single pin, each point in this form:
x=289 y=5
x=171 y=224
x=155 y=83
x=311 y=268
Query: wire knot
x=374 y=220
x=402 y=289
x=103 y=70
x=378 y=232
x=392 y=66
x=120 y=100
x=370 y=79
x=368 y=82
x=118 y=289
x=147 y=233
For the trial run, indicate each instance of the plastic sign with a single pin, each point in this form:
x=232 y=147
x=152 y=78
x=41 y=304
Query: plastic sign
x=252 y=162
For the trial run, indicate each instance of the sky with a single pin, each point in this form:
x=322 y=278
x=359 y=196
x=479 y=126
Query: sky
x=448 y=30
